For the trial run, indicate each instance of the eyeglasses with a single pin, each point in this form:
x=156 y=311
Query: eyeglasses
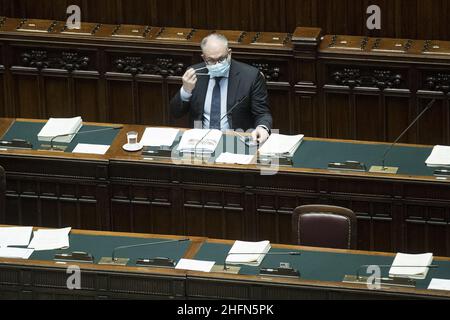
x=212 y=62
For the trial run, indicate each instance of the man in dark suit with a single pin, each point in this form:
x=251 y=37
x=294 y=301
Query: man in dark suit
x=212 y=88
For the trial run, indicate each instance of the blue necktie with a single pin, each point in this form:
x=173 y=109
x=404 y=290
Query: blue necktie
x=216 y=110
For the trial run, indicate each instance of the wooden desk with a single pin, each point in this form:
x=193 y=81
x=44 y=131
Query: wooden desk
x=46 y=279
x=396 y=213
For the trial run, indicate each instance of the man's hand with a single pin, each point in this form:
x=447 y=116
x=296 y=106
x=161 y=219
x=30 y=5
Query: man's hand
x=189 y=80
x=260 y=135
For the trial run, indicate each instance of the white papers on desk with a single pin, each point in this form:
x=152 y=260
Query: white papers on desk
x=91 y=148
x=15 y=236
x=440 y=157
x=157 y=137
x=15 y=253
x=60 y=126
x=201 y=141
x=281 y=145
x=242 y=253
x=195 y=265
x=439 y=284
x=232 y=158
x=414 y=266
x=51 y=239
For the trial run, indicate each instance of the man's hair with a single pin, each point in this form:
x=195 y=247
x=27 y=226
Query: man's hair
x=216 y=36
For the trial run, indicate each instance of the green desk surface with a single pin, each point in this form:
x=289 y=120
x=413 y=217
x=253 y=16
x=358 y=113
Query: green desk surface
x=321 y=266
x=317 y=154
x=102 y=246
x=29 y=131
x=314 y=154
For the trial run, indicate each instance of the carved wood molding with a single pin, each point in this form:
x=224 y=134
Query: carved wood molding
x=164 y=67
x=41 y=59
x=355 y=77
x=438 y=82
x=271 y=73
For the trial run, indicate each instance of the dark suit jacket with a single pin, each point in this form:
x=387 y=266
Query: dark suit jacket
x=244 y=81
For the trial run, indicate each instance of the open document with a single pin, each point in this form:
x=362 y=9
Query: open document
x=157 y=137
x=440 y=157
x=50 y=239
x=281 y=145
x=414 y=266
x=58 y=127
x=202 y=141
x=242 y=253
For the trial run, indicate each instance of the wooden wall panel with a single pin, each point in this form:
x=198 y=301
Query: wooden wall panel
x=338 y=115
x=434 y=125
x=26 y=96
x=413 y=19
x=120 y=95
x=57 y=98
x=368 y=117
x=398 y=117
x=87 y=99
x=152 y=103
x=3 y=92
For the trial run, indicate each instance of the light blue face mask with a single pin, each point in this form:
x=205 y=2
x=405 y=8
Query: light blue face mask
x=219 y=69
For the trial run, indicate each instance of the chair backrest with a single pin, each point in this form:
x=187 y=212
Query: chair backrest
x=324 y=226
x=2 y=195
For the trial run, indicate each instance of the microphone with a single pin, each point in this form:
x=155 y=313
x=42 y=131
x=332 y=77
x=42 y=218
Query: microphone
x=83 y=132
x=224 y=116
x=113 y=260
x=394 y=170
x=235 y=270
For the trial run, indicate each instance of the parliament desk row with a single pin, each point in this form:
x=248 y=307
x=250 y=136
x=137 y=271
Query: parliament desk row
x=126 y=192
x=321 y=272
x=330 y=86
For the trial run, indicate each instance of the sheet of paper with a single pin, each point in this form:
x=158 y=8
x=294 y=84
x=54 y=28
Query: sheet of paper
x=15 y=236
x=440 y=157
x=156 y=137
x=15 y=253
x=232 y=158
x=51 y=239
x=60 y=126
x=195 y=265
x=439 y=284
x=91 y=148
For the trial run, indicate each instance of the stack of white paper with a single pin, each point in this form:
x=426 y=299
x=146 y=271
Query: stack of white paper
x=51 y=239
x=58 y=127
x=91 y=148
x=242 y=253
x=15 y=236
x=440 y=157
x=281 y=145
x=157 y=137
x=414 y=266
x=232 y=158
x=200 y=141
